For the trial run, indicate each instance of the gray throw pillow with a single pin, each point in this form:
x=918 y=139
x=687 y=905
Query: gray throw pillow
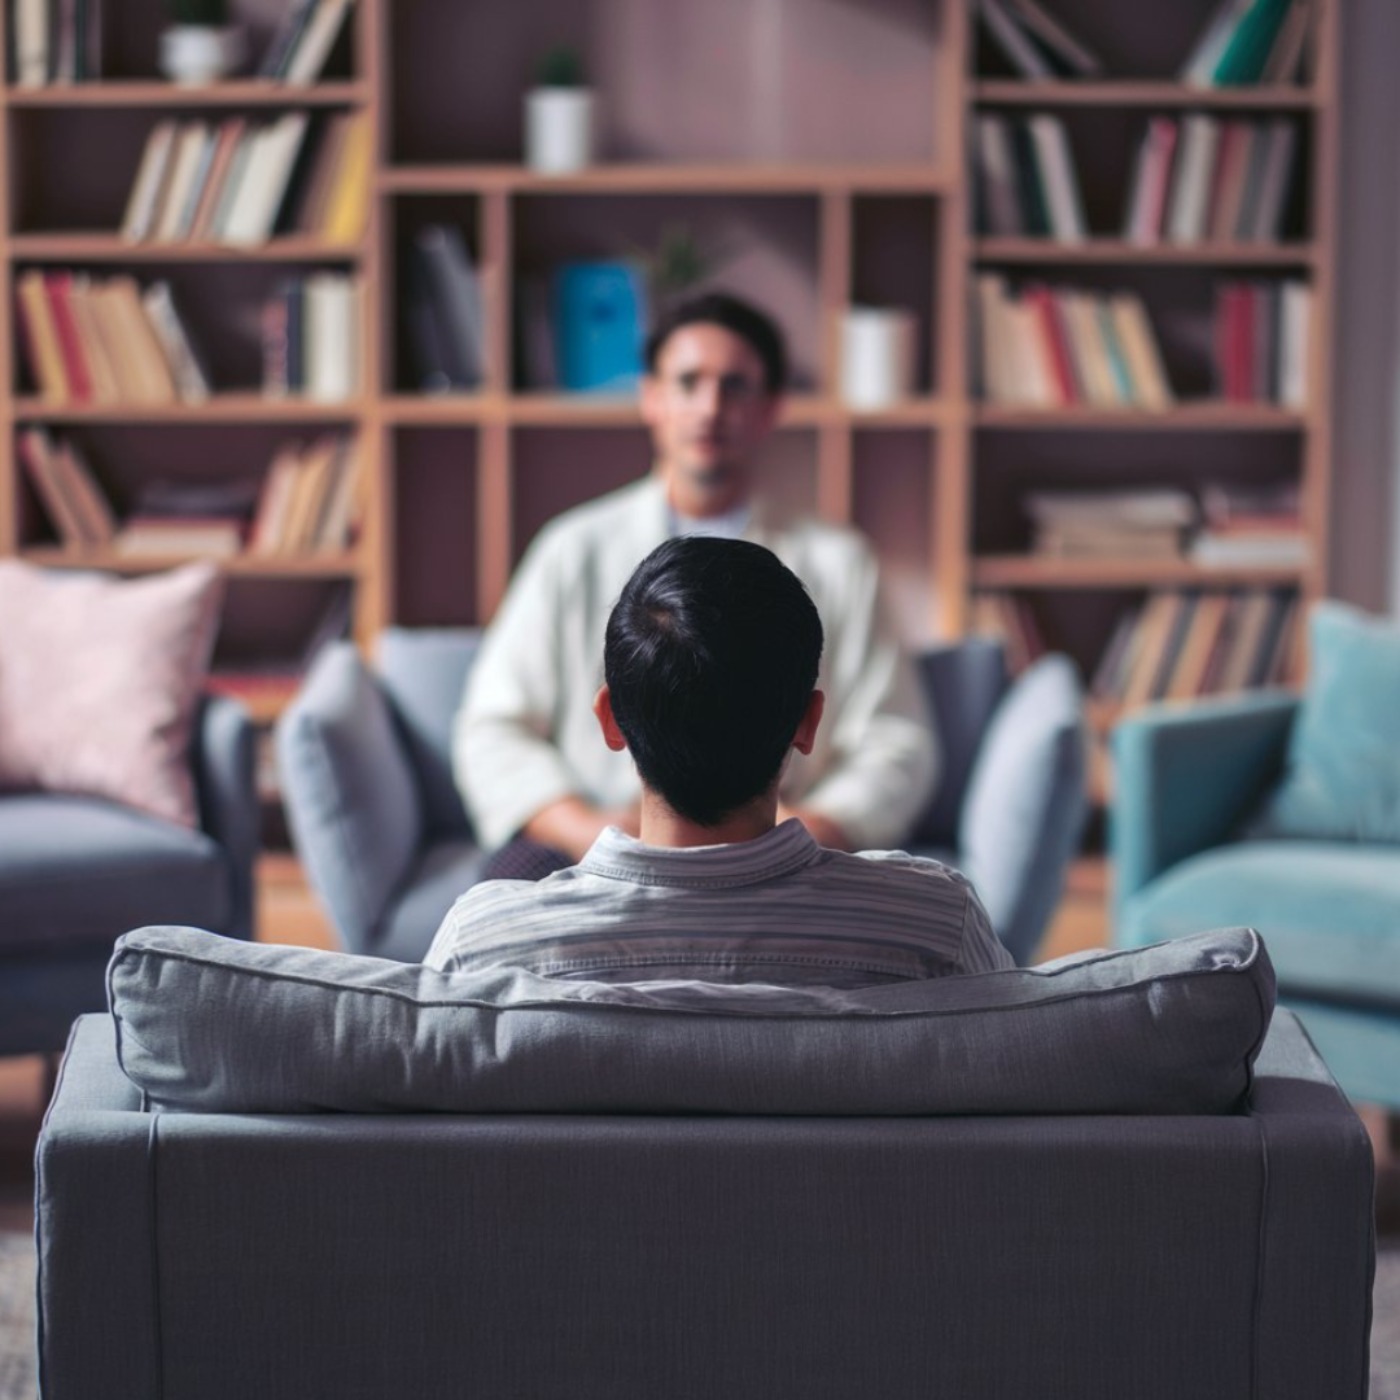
x=215 y=1024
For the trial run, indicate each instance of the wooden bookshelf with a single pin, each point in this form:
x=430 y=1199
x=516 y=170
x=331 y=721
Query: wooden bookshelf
x=827 y=200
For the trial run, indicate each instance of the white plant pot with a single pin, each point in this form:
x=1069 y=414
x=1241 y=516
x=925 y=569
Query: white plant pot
x=194 y=54
x=558 y=129
x=877 y=356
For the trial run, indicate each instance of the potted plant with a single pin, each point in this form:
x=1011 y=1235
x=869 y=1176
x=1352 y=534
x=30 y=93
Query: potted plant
x=559 y=115
x=200 y=45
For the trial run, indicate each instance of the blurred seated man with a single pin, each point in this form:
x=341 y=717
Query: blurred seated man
x=537 y=781
x=711 y=659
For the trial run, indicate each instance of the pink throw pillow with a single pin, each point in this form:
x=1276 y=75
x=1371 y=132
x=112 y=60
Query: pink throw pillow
x=99 y=682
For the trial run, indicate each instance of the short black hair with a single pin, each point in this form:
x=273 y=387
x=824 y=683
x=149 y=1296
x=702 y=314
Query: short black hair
x=711 y=658
x=741 y=317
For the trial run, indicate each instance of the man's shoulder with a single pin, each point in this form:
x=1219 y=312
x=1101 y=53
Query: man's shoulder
x=829 y=549
x=596 y=522
x=898 y=870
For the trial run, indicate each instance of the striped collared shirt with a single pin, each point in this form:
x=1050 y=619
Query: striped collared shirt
x=776 y=909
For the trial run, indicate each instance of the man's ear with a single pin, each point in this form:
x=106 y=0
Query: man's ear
x=806 y=734
x=602 y=707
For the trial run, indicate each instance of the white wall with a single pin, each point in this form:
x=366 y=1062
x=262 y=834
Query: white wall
x=1366 y=376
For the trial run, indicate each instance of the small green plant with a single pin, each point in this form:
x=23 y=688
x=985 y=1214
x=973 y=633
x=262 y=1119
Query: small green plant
x=211 y=14
x=678 y=263
x=562 y=67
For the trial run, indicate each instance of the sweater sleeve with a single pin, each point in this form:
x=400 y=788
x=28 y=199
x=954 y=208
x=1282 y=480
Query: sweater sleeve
x=505 y=761
x=884 y=758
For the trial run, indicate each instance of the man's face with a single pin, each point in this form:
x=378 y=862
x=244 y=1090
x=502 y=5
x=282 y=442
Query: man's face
x=708 y=409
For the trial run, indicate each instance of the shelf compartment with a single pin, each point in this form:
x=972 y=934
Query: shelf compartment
x=435 y=489
x=641 y=177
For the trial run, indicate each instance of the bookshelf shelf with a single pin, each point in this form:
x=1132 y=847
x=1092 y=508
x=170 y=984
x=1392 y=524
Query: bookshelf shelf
x=1108 y=252
x=1031 y=572
x=1206 y=416
x=310 y=566
x=109 y=248
x=680 y=178
x=1013 y=92
x=220 y=408
x=151 y=94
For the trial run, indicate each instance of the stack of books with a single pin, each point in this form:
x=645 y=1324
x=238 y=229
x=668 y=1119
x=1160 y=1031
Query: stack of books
x=1035 y=42
x=203 y=519
x=304 y=40
x=1205 y=178
x=1055 y=347
x=1261 y=342
x=55 y=41
x=1140 y=524
x=1182 y=643
x=1026 y=184
x=1251 y=41
x=105 y=341
x=443 y=309
x=310 y=502
x=239 y=181
x=311 y=338
x=1251 y=527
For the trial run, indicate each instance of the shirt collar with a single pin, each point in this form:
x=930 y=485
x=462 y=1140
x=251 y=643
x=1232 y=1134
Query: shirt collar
x=786 y=848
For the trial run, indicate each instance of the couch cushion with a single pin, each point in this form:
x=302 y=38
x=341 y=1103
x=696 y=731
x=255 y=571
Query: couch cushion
x=1330 y=912
x=75 y=871
x=205 y=1023
x=1342 y=778
x=434 y=883
x=99 y=682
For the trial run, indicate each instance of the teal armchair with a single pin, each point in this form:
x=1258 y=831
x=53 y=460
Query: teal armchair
x=1186 y=781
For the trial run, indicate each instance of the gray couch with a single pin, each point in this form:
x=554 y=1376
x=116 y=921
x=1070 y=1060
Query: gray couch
x=864 y=1193
x=75 y=872
x=197 y=1255
x=367 y=777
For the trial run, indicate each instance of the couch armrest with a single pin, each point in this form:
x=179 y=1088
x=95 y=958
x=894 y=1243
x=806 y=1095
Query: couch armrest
x=1184 y=777
x=224 y=762
x=1026 y=803
x=351 y=797
x=1318 y=1220
x=94 y=1200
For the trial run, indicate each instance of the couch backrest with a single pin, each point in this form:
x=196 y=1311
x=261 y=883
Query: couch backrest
x=423 y=670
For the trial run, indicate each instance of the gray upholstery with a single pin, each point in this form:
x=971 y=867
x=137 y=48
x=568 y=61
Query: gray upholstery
x=201 y=1256
x=205 y=1023
x=366 y=772
x=76 y=872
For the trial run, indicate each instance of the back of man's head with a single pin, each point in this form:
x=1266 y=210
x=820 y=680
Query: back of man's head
x=711 y=659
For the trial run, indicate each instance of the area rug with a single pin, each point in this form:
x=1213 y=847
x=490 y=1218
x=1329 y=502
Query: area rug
x=18 y=1382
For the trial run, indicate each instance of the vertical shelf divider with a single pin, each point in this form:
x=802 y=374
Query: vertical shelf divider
x=835 y=489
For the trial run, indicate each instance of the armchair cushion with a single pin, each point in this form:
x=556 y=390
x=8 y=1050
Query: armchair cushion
x=77 y=871
x=1025 y=802
x=1342 y=779
x=204 y=1023
x=100 y=679
x=1328 y=910
x=352 y=801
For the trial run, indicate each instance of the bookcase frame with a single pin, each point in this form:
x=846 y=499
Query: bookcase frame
x=947 y=418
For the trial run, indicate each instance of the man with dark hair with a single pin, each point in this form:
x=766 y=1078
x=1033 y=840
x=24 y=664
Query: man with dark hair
x=711 y=661
x=537 y=782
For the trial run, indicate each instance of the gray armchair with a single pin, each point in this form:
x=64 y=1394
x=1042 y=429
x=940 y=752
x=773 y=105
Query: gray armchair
x=386 y=844
x=76 y=872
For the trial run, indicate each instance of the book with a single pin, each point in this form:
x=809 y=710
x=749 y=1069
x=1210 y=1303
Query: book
x=313 y=47
x=163 y=536
x=999 y=202
x=1237 y=140
x=226 y=142
x=1205 y=55
x=57 y=286
x=35 y=454
x=331 y=345
x=339 y=518
x=1133 y=330
x=1159 y=620
x=143 y=202
x=285 y=38
x=269 y=526
x=31 y=33
x=1051 y=334
x=1056 y=167
x=1295 y=319
x=39 y=340
x=1246 y=642
x=265 y=179
x=1188 y=210
x=80 y=486
x=191 y=148
x=347 y=199
x=1207 y=622
x=455 y=301
x=326 y=145
x=1284 y=59
x=1279 y=141
x=228 y=195
x=1064 y=48
x=1147 y=198
x=191 y=381
x=1013 y=41
x=1249 y=44
x=138 y=342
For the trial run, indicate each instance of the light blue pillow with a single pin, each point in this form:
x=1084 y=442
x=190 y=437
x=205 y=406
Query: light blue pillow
x=1342 y=780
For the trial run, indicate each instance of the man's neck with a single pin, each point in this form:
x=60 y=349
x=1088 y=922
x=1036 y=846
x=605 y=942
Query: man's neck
x=662 y=826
